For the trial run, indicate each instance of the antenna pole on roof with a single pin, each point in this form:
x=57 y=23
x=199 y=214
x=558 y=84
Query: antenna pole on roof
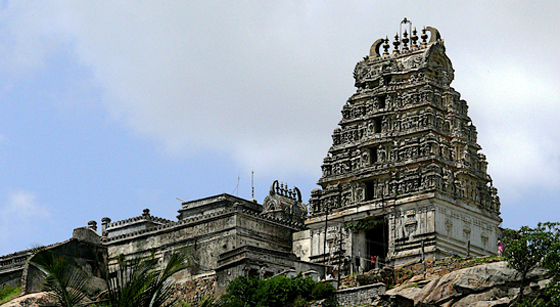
x=252 y=184
x=236 y=190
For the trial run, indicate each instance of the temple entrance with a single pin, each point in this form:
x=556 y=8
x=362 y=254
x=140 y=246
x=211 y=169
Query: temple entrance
x=377 y=241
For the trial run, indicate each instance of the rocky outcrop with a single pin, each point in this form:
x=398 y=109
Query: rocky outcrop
x=491 y=284
x=29 y=300
x=474 y=282
x=193 y=291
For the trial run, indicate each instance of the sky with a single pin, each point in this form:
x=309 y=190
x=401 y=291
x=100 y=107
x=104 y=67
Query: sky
x=110 y=107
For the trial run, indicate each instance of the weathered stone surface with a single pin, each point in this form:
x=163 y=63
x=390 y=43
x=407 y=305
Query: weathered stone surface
x=285 y=203
x=503 y=302
x=492 y=297
x=359 y=295
x=467 y=281
x=30 y=300
x=397 y=300
x=492 y=284
x=195 y=290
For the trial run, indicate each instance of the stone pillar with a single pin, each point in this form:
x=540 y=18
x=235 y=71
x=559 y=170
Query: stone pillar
x=104 y=222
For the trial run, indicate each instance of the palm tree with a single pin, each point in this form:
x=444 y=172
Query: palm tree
x=138 y=282
x=65 y=282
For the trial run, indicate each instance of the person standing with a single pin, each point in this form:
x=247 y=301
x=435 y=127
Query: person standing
x=500 y=248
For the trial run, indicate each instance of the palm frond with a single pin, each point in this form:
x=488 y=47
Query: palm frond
x=140 y=282
x=66 y=282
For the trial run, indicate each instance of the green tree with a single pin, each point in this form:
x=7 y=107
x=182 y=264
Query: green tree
x=551 y=261
x=529 y=247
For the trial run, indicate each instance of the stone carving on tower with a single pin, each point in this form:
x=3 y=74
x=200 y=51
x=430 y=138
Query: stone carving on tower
x=284 y=203
x=406 y=152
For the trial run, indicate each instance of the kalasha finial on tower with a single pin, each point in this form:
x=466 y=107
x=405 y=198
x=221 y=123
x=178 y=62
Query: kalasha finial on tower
x=386 y=46
x=404 y=35
x=396 y=43
x=414 y=38
x=405 y=41
x=424 y=37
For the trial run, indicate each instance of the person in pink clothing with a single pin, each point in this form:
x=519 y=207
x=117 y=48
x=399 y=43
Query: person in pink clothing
x=500 y=248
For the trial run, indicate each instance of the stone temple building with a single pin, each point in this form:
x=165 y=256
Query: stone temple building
x=403 y=180
x=225 y=236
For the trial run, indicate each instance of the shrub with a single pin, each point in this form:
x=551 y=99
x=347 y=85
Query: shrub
x=323 y=290
x=277 y=291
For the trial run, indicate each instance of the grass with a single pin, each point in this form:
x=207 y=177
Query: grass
x=413 y=285
x=8 y=293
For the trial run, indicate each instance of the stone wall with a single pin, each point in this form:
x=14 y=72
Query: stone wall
x=12 y=266
x=85 y=254
x=195 y=290
x=206 y=237
x=84 y=249
x=253 y=230
x=11 y=278
x=230 y=228
x=359 y=295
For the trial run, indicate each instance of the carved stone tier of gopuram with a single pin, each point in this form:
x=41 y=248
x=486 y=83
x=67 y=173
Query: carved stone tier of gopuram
x=284 y=203
x=404 y=178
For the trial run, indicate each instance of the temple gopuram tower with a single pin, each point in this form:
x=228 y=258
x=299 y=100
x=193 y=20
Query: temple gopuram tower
x=404 y=178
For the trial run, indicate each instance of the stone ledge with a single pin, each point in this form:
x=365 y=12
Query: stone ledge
x=360 y=295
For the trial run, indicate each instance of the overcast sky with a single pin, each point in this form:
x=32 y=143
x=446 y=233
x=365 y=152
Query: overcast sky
x=110 y=107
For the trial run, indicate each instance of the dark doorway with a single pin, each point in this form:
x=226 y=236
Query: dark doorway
x=369 y=189
x=253 y=273
x=373 y=155
x=377 y=241
x=377 y=124
x=381 y=101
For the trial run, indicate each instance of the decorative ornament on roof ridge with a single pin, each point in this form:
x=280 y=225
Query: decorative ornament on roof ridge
x=402 y=40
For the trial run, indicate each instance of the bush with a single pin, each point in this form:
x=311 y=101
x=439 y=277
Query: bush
x=323 y=290
x=552 y=291
x=277 y=291
x=241 y=292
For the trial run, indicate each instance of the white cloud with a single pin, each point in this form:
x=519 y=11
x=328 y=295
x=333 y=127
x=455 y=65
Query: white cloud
x=20 y=215
x=22 y=205
x=266 y=82
x=200 y=78
x=518 y=108
x=24 y=41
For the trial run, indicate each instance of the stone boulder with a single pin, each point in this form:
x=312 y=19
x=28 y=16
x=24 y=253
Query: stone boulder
x=29 y=300
x=492 y=284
